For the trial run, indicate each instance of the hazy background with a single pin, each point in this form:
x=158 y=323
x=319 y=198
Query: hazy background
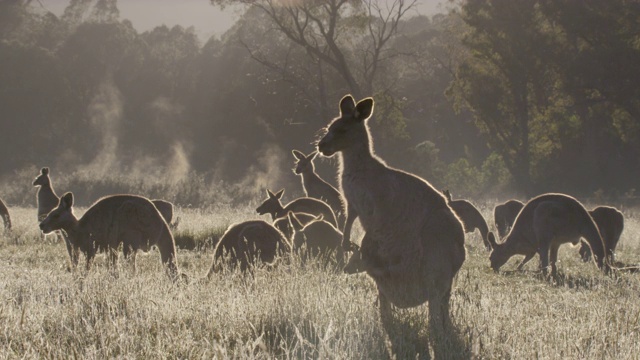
x=202 y=101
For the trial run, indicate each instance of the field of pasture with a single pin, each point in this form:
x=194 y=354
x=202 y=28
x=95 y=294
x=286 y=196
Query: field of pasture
x=298 y=310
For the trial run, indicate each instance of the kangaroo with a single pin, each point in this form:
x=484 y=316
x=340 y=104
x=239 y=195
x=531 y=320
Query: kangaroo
x=247 y=241
x=316 y=187
x=166 y=210
x=48 y=200
x=610 y=222
x=284 y=224
x=471 y=217
x=313 y=206
x=505 y=214
x=4 y=212
x=414 y=243
x=128 y=219
x=546 y=222
x=318 y=236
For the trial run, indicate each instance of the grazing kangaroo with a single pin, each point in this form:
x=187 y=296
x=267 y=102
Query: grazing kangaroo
x=414 y=242
x=505 y=214
x=128 y=219
x=546 y=222
x=471 y=217
x=4 y=212
x=247 y=241
x=610 y=222
x=318 y=236
x=166 y=210
x=316 y=187
x=308 y=205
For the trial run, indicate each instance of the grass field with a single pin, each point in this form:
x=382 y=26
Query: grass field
x=300 y=310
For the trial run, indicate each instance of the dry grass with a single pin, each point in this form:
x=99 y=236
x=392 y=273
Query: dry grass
x=299 y=311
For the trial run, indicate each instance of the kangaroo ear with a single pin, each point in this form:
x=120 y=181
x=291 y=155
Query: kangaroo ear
x=312 y=155
x=44 y=171
x=270 y=194
x=298 y=154
x=347 y=105
x=66 y=201
x=278 y=195
x=364 y=109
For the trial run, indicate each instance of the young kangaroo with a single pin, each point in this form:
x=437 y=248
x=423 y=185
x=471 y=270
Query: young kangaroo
x=128 y=219
x=414 y=242
x=247 y=241
x=319 y=237
x=308 y=205
x=610 y=222
x=505 y=214
x=284 y=224
x=4 y=212
x=471 y=217
x=546 y=222
x=314 y=186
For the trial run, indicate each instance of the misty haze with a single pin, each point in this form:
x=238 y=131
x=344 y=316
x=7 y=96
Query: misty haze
x=212 y=108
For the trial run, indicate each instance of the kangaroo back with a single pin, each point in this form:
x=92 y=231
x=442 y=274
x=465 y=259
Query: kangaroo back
x=310 y=206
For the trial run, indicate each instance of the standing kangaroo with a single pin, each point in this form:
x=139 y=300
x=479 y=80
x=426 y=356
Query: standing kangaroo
x=4 y=212
x=316 y=187
x=308 y=205
x=471 y=217
x=505 y=214
x=47 y=201
x=546 y=222
x=128 y=219
x=610 y=222
x=414 y=243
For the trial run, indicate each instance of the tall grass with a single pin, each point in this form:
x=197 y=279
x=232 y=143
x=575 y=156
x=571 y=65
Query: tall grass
x=299 y=310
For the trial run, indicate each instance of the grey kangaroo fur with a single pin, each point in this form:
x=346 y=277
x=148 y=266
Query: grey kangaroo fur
x=273 y=206
x=610 y=222
x=470 y=216
x=314 y=186
x=130 y=220
x=505 y=214
x=414 y=243
x=546 y=222
x=166 y=210
x=247 y=241
x=4 y=212
x=318 y=237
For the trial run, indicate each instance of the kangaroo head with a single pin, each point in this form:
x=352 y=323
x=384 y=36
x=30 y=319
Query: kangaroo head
x=349 y=128
x=61 y=217
x=497 y=256
x=304 y=163
x=43 y=178
x=272 y=205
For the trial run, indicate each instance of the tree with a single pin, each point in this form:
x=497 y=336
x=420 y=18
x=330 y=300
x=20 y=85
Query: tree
x=498 y=81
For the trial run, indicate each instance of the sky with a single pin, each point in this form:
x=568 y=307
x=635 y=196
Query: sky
x=207 y=19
